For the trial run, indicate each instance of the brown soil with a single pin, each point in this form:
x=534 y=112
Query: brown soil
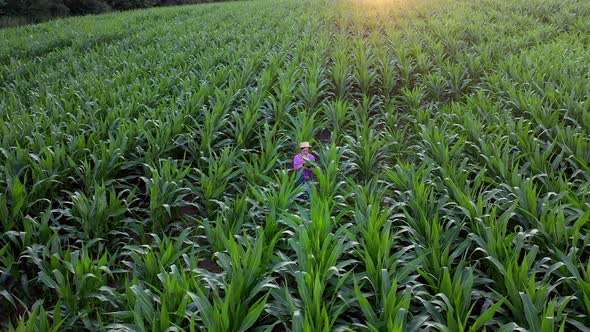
x=209 y=265
x=189 y=210
x=324 y=136
x=279 y=328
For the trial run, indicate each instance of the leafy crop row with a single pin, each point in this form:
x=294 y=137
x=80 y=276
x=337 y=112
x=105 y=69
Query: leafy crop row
x=145 y=159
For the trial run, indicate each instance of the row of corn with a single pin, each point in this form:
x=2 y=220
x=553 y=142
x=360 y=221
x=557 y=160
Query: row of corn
x=146 y=182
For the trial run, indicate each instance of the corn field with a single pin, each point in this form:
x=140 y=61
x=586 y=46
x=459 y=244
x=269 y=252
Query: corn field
x=146 y=178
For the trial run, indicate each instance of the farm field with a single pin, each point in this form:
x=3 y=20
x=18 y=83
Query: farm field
x=146 y=178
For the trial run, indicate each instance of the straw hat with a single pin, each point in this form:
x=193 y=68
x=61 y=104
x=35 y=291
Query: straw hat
x=304 y=145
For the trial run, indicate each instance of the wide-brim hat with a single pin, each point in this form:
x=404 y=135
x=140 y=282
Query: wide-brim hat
x=304 y=145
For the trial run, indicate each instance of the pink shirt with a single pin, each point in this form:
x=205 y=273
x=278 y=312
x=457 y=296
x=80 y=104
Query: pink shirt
x=298 y=162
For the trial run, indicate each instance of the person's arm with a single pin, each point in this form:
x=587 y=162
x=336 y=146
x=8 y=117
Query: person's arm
x=298 y=162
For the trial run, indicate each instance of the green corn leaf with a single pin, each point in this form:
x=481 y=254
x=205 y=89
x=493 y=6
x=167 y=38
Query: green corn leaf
x=530 y=312
x=253 y=313
x=486 y=316
x=366 y=308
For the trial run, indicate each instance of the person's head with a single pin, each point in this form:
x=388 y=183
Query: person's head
x=304 y=146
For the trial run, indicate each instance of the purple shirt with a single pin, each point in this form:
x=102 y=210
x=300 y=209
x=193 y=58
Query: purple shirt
x=298 y=162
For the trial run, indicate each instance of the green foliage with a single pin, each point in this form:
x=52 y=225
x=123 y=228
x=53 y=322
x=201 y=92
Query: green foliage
x=241 y=304
x=129 y=4
x=146 y=177
x=78 y=7
x=34 y=10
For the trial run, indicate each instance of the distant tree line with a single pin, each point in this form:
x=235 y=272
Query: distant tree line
x=51 y=8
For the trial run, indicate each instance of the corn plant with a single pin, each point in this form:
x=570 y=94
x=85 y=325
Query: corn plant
x=99 y=213
x=217 y=179
x=303 y=126
x=412 y=99
x=389 y=305
x=148 y=261
x=376 y=238
x=457 y=81
x=261 y=165
x=48 y=170
x=341 y=72
x=244 y=294
x=166 y=189
x=244 y=124
x=39 y=320
x=35 y=231
x=104 y=163
x=312 y=88
x=160 y=136
x=282 y=102
x=338 y=116
x=436 y=86
x=159 y=306
x=13 y=204
x=368 y=150
x=405 y=66
x=364 y=72
x=230 y=220
x=276 y=201
x=386 y=71
x=331 y=171
x=79 y=280
x=317 y=252
x=455 y=300
x=581 y=277
x=208 y=126
x=391 y=308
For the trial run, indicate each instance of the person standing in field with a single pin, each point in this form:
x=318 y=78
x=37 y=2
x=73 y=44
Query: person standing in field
x=302 y=162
